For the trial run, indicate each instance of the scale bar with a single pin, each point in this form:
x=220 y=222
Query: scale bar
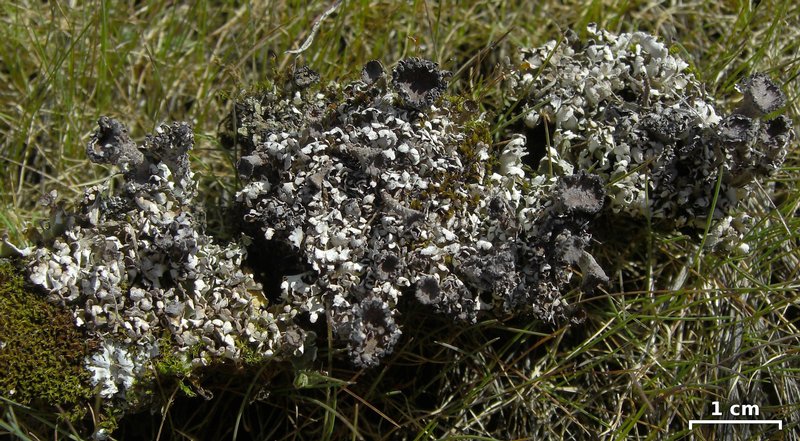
x=778 y=422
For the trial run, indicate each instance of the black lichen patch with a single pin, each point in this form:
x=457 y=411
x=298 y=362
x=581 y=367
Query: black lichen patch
x=418 y=82
x=42 y=353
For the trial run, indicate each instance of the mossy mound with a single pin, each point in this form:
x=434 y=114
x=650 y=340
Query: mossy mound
x=42 y=353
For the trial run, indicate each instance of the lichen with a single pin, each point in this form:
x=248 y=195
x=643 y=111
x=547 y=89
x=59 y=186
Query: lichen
x=358 y=195
x=380 y=194
x=418 y=82
x=372 y=72
x=304 y=77
x=624 y=108
x=136 y=270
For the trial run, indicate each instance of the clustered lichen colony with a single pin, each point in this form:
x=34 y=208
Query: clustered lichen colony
x=136 y=269
x=624 y=108
x=384 y=195
x=383 y=189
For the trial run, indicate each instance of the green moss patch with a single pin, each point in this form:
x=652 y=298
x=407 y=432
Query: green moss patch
x=41 y=350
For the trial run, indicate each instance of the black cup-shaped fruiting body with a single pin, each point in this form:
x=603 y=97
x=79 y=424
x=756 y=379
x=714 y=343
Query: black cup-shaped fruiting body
x=368 y=327
x=304 y=77
x=580 y=194
x=761 y=96
x=372 y=72
x=738 y=131
x=111 y=144
x=776 y=135
x=418 y=82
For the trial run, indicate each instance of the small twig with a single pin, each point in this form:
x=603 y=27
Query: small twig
x=315 y=28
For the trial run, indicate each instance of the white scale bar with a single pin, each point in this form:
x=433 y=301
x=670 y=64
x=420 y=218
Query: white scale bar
x=778 y=422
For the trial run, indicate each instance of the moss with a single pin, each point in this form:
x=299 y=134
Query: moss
x=41 y=350
x=478 y=132
x=172 y=368
x=173 y=364
x=250 y=356
x=451 y=183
